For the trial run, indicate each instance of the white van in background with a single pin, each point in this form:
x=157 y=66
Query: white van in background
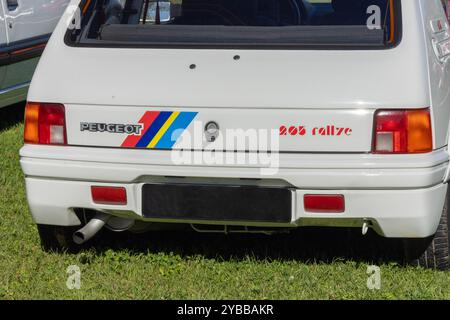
x=25 y=27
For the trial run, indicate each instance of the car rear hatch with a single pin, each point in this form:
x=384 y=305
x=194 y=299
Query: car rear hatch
x=294 y=84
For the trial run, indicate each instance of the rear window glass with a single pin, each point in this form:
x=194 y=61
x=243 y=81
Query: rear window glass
x=239 y=23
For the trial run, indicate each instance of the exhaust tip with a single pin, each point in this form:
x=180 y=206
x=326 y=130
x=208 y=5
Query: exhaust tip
x=97 y=223
x=78 y=237
x=91 y=228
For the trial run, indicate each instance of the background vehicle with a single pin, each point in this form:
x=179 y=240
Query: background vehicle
x=25 y=27
x=361 y=112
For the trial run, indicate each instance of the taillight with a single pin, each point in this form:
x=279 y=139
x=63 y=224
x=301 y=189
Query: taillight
x=45 y=123
x=402 y=131
x=109 y=195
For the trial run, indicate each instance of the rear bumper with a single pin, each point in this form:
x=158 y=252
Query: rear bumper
x=402 y=196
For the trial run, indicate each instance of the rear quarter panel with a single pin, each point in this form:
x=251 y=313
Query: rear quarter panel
x=439 y=73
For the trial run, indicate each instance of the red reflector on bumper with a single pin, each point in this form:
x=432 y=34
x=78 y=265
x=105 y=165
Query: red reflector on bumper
x=324 y=203
x=109 y=195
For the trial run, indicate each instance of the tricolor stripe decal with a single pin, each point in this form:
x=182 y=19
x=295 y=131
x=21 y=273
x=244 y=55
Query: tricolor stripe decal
x=146 y=121
x=153 y=130
x=172 y=135
x=161 y=130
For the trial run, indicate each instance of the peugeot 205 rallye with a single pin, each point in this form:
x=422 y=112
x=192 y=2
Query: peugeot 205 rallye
x=247 y=116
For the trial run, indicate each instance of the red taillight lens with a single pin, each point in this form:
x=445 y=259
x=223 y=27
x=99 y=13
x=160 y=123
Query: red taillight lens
x=109 y=195
x=45 y=123
x=402 y=131
x=324 y=203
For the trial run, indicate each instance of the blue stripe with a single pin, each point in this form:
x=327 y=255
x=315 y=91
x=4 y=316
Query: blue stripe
x=176 y=129
x=153 y=130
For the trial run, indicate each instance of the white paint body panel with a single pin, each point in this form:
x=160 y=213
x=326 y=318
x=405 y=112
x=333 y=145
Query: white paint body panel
x=402 y=195
x=402 y=213
x=321 y=171
x=360 y=121
x=294 y=79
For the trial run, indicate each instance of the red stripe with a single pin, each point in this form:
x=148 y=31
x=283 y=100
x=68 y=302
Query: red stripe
x=86 y=6
x=39 y=46
x=146 y=120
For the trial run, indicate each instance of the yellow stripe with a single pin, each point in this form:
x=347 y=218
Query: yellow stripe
x=163 y=130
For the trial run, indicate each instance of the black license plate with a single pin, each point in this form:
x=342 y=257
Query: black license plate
x=217 y=203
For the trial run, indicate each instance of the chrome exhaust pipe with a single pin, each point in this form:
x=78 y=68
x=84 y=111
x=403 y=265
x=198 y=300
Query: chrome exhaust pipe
x=91 y=228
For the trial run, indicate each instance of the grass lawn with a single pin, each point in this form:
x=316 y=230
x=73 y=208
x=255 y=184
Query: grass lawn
x=310 y=264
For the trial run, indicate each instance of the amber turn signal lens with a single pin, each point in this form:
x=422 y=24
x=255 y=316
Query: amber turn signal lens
x=31 y=134
x=419 y=131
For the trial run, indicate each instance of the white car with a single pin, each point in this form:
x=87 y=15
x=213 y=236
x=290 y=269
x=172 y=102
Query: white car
x=25 y=27
x=243 y=116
